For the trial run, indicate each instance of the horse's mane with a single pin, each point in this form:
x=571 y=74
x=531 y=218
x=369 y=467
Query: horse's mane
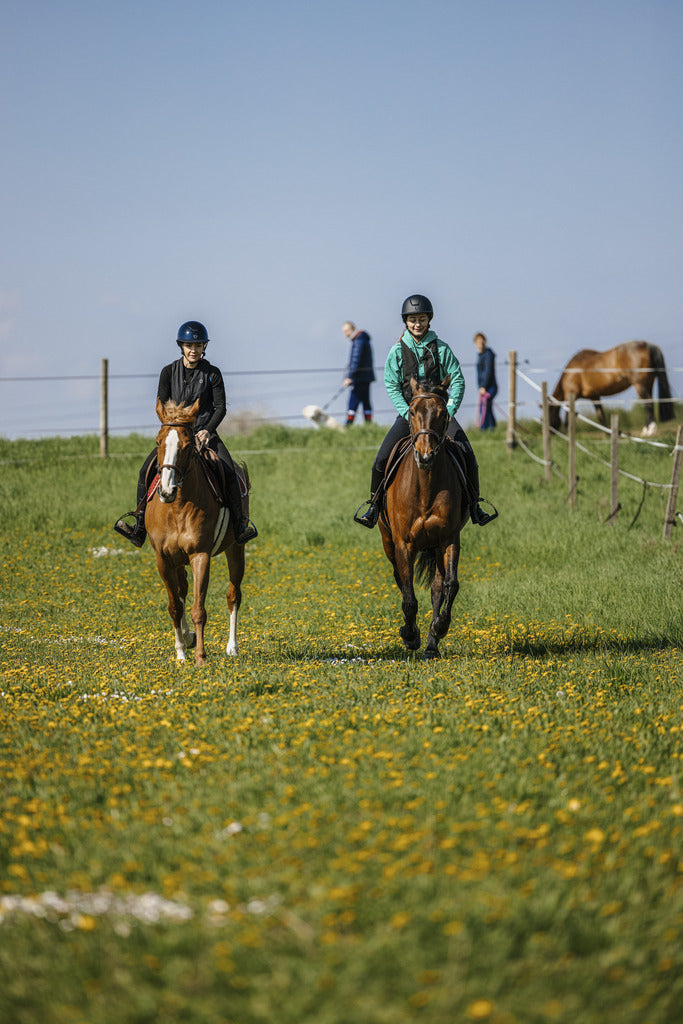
x=175 y=413
x=434 y=389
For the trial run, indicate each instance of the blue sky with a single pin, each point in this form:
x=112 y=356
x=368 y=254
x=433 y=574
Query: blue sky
x=273 y=169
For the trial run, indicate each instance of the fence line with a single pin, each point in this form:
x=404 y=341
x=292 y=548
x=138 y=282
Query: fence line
x=675 y=450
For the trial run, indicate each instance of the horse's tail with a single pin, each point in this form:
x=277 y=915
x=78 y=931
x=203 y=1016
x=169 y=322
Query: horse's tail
x=666 y=406
x=425 y=567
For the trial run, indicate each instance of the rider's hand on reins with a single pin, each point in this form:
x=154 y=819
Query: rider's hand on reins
x=202 y=438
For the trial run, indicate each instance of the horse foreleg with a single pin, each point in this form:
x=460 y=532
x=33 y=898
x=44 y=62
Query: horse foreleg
x=444 y=590
x=235 y=556
x=173 y=582
x=403 y=574
x=186 y=636
x=201 y=566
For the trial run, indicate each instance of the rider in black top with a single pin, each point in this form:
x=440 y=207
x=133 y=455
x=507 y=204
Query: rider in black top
x=187 y=379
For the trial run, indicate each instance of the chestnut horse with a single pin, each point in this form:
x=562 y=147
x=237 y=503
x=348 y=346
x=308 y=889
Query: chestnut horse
x=424 y=511
x=592 y=375
x=187 y=525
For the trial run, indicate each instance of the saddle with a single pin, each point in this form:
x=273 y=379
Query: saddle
x=215 y=472
x=398 y=454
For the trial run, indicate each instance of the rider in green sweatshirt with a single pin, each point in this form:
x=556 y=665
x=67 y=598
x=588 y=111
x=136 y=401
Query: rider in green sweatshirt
x=420 y=353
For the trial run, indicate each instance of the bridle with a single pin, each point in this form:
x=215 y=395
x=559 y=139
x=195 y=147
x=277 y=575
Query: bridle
x=440 y=437
x=169 y=465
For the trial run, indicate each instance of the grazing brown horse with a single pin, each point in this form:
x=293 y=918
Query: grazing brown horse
x=425 y=509
x=187 y=525
x=592 y=375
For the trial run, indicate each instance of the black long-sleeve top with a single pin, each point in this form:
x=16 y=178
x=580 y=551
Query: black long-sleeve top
x=185 y=386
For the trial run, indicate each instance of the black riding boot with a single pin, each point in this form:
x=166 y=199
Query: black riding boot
x=136 y=532
x=477 y=513
x=371 y=515
x=243 y=527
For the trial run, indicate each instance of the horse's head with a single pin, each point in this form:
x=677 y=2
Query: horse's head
x=428 y=420
x=175 y=445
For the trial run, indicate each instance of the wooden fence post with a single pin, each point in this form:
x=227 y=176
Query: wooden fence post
x=511 y=440
x=571 y=433
x=669 y=519
x=614 y=505
x=104 y=409
x=545 y=426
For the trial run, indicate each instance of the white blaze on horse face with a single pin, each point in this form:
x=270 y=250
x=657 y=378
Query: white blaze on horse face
x=167 y=483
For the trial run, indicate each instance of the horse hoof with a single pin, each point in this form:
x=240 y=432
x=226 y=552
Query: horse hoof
x=430 y=653
x=410 y=637
x=231 y=650
x=191 y=641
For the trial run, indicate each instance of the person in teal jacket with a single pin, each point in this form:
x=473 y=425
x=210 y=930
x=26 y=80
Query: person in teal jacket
x=420 y=353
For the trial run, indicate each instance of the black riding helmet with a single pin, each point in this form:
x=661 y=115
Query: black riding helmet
x=416 y=304
x=192 y=331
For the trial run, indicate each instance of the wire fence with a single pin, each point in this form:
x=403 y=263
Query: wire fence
x=34 y=406
x=517 y=436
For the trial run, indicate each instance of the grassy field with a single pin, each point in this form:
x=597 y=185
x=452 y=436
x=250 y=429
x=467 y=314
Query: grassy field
x=327 y=829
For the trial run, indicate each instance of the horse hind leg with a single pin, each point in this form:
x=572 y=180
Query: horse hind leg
x=644 y=391
x=600 y=413
x=235 y=556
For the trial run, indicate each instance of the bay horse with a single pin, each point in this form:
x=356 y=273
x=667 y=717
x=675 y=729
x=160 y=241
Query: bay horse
x=593 y=375
x=424 y=510
x=187 y=525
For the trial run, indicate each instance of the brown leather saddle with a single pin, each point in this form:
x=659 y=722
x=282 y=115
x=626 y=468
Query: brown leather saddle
x=215 y=472
x=398 y=454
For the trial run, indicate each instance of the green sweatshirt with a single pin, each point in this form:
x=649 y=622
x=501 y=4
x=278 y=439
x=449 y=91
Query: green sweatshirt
x=393 y=371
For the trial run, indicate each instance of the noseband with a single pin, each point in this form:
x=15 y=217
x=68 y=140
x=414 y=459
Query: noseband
x=440 y=437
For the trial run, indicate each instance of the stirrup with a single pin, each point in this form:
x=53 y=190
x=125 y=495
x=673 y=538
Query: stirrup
x=247 y=531
x=135 y=533
x=480 y=517
x=370 y=516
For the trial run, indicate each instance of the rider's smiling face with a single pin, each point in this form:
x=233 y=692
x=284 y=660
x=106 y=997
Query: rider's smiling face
x=418 y=325
x=193 y=352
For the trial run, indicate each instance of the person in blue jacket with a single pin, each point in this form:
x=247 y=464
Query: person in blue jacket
x=359 y=374
x=486 y=382
x=420 y=353
x=187 y=379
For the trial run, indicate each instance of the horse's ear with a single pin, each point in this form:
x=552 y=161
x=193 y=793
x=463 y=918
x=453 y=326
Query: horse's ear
x=446 y=382
x=414 y=385
x=160 y=409
x=193 y=411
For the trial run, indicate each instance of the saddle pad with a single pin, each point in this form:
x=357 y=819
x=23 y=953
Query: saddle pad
x=220 y=529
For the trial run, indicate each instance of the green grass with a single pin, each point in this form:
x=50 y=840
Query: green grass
x=329 y=829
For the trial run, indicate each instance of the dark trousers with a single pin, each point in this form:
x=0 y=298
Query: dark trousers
x=359 y=395
x=485 y=417
x=400 y=429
